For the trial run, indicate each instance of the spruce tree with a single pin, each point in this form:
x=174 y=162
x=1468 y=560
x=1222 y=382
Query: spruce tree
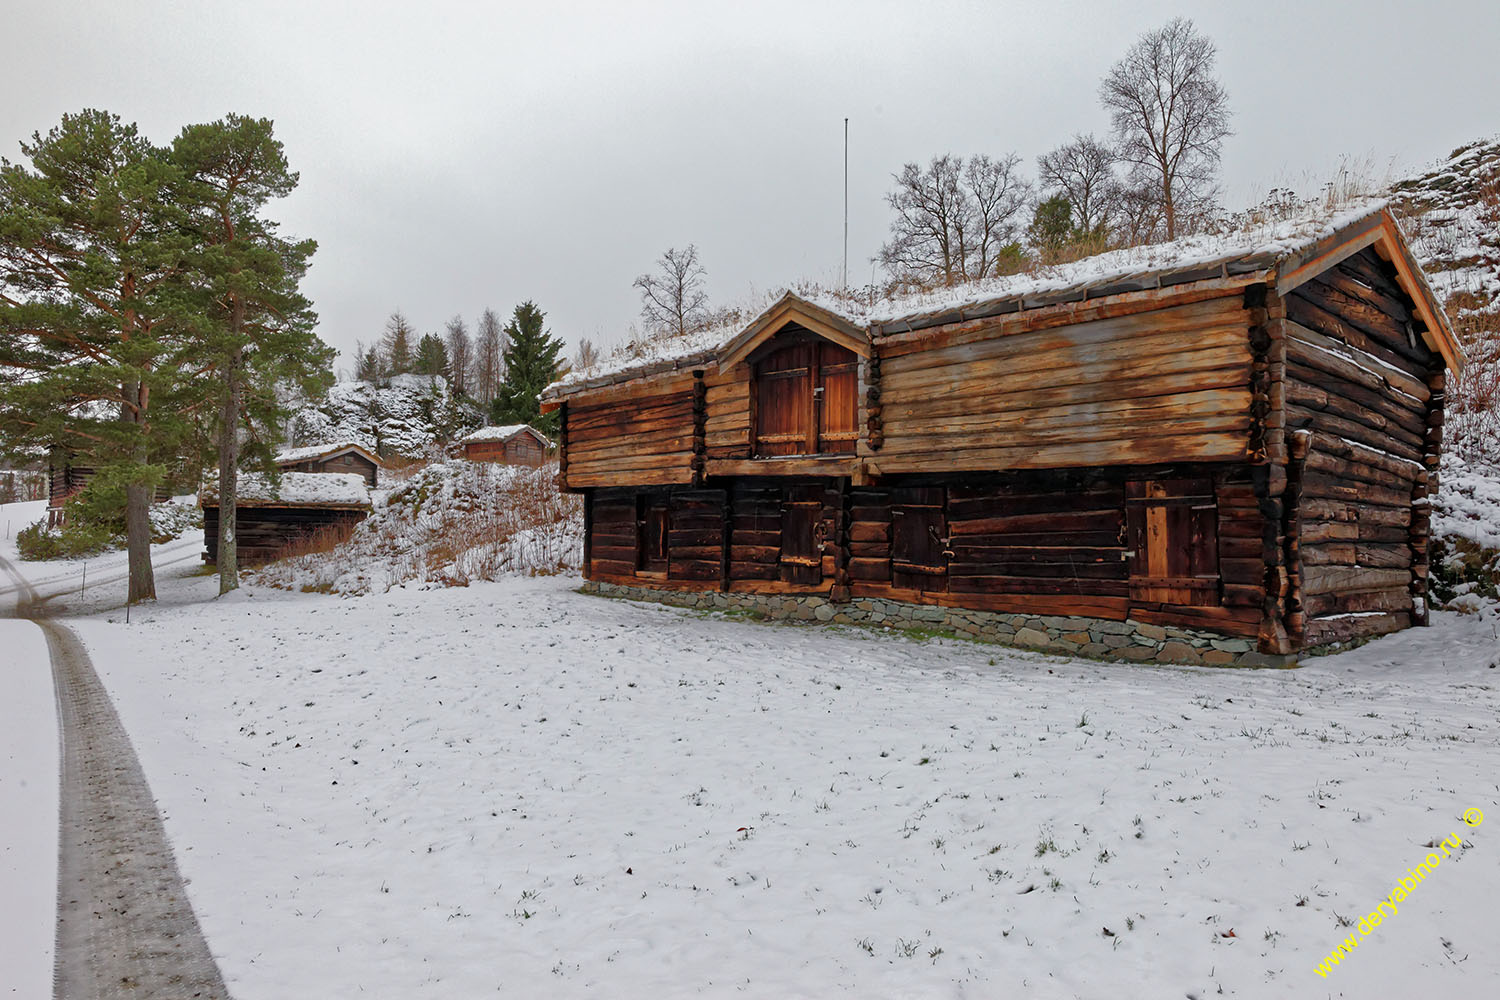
x=431 y=357
x=396 y=345
x=532 y=358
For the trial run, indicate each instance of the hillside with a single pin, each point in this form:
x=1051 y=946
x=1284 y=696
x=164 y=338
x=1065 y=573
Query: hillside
x=1452 y=215
x=405 y=417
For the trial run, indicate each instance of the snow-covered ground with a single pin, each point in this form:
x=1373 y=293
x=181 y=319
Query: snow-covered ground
x=28 y=803
x=513 y=787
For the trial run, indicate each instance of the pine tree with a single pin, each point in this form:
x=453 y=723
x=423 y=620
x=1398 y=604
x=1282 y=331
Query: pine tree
x=531 y=363
x=254 y=329
x=91 y=245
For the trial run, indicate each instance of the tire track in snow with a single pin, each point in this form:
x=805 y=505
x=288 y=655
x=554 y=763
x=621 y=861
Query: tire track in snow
x=125 y=927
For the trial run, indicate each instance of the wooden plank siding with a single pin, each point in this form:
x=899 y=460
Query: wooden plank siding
x=1164 y=385
x=1358 y=382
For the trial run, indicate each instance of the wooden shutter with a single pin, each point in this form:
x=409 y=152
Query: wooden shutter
x=651 y=530
x=919 y=542
x=783 y=398
x=837 y=398
x=1174 y=541
x=802 y=533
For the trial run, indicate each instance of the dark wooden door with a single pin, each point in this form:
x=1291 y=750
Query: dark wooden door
x=919 y=543
x=1172 y=526
x=652 y=524
x=802 y=533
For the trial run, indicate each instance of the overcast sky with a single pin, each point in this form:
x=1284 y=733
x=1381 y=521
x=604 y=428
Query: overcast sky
x=456 y=156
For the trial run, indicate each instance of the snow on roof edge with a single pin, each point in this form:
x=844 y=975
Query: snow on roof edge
x=311 y=489
x=1264 y=245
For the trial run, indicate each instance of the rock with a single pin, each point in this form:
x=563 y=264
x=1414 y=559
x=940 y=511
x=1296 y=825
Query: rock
x=1077 y=638
x=1151 y=631
x=1232 y=645
x=1217 y=657
x=1031 y=637
x=1178 y=652
x=824 y=612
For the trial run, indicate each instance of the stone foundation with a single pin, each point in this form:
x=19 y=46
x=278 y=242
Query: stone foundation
x=1072 y=636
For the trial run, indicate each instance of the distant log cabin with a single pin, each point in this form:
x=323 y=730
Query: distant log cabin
x=512 y=444
x=271 y=520
x=1212 y=451
x=341 y=457
x=68 y=472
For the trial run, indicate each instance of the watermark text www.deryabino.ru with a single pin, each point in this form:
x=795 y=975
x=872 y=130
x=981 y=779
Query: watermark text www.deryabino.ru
x=1404 y=888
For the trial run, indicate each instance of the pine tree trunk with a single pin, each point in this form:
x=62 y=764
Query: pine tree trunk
x=138 y=498
x=229 y=457
x=138 y=542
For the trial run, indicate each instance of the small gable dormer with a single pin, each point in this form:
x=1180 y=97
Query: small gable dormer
x=804 y=379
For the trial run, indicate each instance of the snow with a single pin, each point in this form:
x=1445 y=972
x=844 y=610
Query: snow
x=1468 y=503
x=406 y=417
x=28 y=791
x=514 y=787
x=329 y=488
x=291 y=456
x=501 y=433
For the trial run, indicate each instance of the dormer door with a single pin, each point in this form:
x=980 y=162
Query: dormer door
x=806 y=394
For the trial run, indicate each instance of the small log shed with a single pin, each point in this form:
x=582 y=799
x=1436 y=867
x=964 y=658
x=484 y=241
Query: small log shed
x=1218 y=450
x=344 y=456
x=512 y=444
x=271 y=519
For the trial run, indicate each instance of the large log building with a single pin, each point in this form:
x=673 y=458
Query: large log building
x=1208 y=451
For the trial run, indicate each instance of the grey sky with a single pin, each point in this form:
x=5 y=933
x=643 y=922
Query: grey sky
x=456 y=156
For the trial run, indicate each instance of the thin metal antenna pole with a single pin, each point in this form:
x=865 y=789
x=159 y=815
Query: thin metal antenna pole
x=846 y=204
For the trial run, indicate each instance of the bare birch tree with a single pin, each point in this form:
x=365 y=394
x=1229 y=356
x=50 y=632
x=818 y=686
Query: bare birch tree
x=1170 y=118
x=1083 y=172
x=460 y=355
x=587 y=356
x=673 y=299
x=954 y=219
x=489 y=357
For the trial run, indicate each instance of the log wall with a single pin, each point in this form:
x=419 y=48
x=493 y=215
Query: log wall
x=646 y=439
x=1359 y=382
x=1166 y=385
x=1047 y=543
x=265 y=533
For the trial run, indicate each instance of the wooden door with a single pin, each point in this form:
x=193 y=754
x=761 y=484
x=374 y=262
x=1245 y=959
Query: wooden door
x=919 y=543
x=802 y=534
x=652 y=524
x=783 y=398
x=837 y=390
x=1172 y=526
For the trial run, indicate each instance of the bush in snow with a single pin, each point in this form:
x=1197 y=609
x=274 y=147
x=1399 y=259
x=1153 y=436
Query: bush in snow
x=447 y=523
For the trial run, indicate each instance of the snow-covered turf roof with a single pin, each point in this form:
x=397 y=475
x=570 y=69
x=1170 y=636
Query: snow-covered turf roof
x=1268 y=251
x=503 y=432
x=313 y=452
x=297 y=489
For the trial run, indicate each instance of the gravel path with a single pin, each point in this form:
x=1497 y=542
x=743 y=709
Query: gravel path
x=125 y=927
